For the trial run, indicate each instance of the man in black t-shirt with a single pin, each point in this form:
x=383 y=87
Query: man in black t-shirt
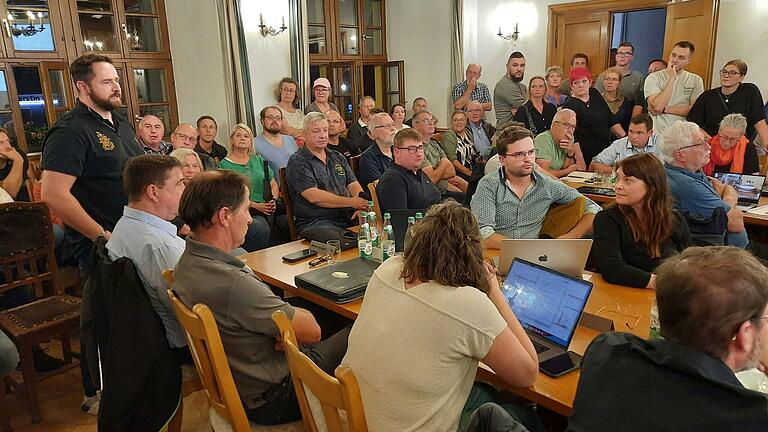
x=83 y=157
x=13 y=169
x=206 y=141
x=337 y=142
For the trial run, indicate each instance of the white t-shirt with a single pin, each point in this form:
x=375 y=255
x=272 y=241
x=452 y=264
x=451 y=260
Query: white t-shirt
x=415 y=352
x=687 y=88
x=4 y=197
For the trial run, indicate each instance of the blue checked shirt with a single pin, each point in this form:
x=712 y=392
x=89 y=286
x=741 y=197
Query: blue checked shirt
x=499 y=210
x=480 y=93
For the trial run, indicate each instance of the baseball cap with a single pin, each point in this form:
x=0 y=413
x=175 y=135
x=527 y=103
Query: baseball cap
x=322 y=82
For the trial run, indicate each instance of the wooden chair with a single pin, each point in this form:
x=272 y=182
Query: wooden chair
x=375 y=199
x=226 y=408
x=286 y=194
x=354 y=163
x=437 y=136
x=27 y=261
x=341 y=393
x=763 y=161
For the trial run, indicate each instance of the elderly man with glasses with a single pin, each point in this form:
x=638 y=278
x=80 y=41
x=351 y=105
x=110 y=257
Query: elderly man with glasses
x=513 y=202
x=404 y=185
x=557 y=151
x=686 y=151
x=185 y=136
x=377 y=158
x=436 y=164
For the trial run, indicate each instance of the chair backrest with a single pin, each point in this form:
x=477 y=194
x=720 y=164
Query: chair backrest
x=354 y=163
x=210 y=360
x=763 y=161
x=26 y=248
x=438 y=136
x=341 y=393
x=375 y=199
x=286 y=194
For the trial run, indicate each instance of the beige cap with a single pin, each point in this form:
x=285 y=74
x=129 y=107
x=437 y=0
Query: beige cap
x=322 y=82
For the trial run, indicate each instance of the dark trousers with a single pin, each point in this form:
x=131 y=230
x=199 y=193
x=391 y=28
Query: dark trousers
x=491 y=417
x=279 y=404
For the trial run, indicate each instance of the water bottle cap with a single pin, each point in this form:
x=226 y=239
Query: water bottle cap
x=370 y=203
x=364 y=214
x=419 y=215
x=411 y=219
x=387 y=216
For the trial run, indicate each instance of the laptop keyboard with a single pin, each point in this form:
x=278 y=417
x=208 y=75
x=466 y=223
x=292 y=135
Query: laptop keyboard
x=540 y=347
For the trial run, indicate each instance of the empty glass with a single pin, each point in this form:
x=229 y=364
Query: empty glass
x=333 y=249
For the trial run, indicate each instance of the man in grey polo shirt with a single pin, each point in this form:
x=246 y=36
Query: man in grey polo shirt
x=640 y=139
x=215 y=206
x=324 y=189
x=632 y=81
x=510 y=93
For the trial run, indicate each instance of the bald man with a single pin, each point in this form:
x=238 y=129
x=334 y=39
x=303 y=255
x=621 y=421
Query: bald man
x=185 y=136
x=150 y=132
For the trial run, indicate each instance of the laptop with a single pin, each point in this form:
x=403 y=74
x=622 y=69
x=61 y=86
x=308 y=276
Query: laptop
x=747 y=186
x=399 y=220
x=547 y=303
x=340 y=283
x=568 y=256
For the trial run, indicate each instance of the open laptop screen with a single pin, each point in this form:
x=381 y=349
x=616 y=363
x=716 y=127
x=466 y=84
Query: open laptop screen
x=747 y=186
x=546 y=302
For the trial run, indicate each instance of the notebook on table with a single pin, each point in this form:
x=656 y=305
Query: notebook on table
x=564 y=255
x=747 y=186
x=547 y=303
x=340 y=283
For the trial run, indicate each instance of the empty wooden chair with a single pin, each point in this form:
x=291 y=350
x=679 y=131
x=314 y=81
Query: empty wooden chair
x=335 y=395
x=375 y=199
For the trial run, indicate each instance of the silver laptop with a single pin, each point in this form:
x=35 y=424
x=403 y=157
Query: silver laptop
x=547 y=303
x=564 y=255
x=747 y=186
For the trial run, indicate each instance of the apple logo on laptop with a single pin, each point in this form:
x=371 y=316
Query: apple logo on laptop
x=543 y=258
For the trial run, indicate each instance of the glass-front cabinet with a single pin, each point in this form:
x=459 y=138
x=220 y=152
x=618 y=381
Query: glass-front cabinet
x=32 y=29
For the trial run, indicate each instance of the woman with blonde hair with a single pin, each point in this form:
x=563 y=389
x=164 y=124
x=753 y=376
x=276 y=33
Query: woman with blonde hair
x=536 y=113
x=190 y=161
x=429 y=317
x=263 y=188
x=554 y=78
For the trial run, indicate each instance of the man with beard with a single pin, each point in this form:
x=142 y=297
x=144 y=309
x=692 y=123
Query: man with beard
x=510 y=93
x=151 y=131
x=83 y=157
x=714 y=324
x=273 y=146
x=377 y=158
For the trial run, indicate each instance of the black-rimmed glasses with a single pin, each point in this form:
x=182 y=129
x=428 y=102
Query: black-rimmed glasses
x=522 y=155
x=412 y=149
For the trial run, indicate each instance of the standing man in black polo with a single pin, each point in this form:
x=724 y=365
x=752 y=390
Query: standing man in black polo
x=322 y=185
x=83 y=158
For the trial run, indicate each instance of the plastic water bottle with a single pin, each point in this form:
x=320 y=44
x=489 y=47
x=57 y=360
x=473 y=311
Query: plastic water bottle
x=387 y=239
x=409 y=231
x=364 y=242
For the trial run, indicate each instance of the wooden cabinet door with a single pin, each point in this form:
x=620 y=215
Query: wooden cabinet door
x=694 y=21
x=586 y=33
x=33 y=29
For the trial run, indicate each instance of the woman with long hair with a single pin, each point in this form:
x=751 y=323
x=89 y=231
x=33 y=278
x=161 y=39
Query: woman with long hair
x=536 y=114
x=632 y=237
x=429 y=317
x=288 y=98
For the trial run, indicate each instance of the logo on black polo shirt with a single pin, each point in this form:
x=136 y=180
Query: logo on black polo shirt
x=105 y=142
x=339 y=170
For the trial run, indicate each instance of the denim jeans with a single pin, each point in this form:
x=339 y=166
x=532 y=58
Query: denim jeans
x=258 y=235
x=9 y=356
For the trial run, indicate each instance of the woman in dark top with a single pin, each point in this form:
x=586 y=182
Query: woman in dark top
x=731 y=150
x=620 y=106
x=632 y=237
x=536 y=114
x=594 y=121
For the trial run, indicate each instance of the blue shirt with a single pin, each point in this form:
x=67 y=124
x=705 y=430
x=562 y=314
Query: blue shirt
x=482 y=140
x=372 y=165
x=693 y=192
x=277 y=157
x=153 y=246
x=622 y=149
x=499 y=210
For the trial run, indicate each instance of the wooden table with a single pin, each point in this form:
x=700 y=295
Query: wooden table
x=554 y=394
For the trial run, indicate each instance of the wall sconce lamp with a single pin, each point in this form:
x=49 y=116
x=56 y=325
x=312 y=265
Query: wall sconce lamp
x=509 y=36
x=269 y=30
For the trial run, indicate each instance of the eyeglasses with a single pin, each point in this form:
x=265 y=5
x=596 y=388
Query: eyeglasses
x=186 y=137
x=272 y=118
x=730 y=73
x=624 y=54
x=412 y=149
x=474 y=110
x=729 y=139
x=567 y=126
x=388 y=126
x=322 y=89
x=427 y=122
x=698 y=144
x=288 y=90
x=319 y=260
x=522 y=155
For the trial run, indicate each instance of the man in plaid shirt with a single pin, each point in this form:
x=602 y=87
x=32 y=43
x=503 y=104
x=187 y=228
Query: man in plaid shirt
x=471 y=89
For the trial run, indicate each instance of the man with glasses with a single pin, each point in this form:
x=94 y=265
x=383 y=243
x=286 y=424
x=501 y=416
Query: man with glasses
x=273 y=146
x=436 y=164
x=482 y=131
x=733 y=96
x=632 y=80
x=471 y=89
x=378 y=157
x=671 y=92
x=404 y=185
x=713 y=307
x=557 y=153
x=185 y=136
x=685 y=151
x=513 y=202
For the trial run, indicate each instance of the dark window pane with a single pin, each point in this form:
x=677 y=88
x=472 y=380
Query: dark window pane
x=32 y=105
x=372 y=10
x=43 y=4
x=316 y=40
x=144 y=34
x=94 y=5
x=140 y=6
x=58 y=88
x=5 y=101
x=98 y=32
x=349 y=41
x=150 y=85
x=348 y=12
x=31 y=30
x=373 y=42
x=162 y=112
x=315 y=11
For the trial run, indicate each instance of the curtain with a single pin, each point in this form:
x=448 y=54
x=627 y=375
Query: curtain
x=238 y=80
x=457 y=48
x=299 y=41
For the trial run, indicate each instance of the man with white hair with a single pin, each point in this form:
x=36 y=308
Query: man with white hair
x=377 y=158
x=151 y=131
x=685 y=151
x=557 y=151
x=471 y=89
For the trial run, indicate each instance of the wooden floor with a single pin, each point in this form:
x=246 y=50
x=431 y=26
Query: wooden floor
x=60 y=400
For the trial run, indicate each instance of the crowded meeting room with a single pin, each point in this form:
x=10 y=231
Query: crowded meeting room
x=383 y=215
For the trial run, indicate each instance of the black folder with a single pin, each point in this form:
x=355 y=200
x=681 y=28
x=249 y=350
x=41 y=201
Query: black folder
x=340 y=283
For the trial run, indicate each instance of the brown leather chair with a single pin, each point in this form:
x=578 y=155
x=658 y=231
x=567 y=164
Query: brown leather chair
x=286 y=194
